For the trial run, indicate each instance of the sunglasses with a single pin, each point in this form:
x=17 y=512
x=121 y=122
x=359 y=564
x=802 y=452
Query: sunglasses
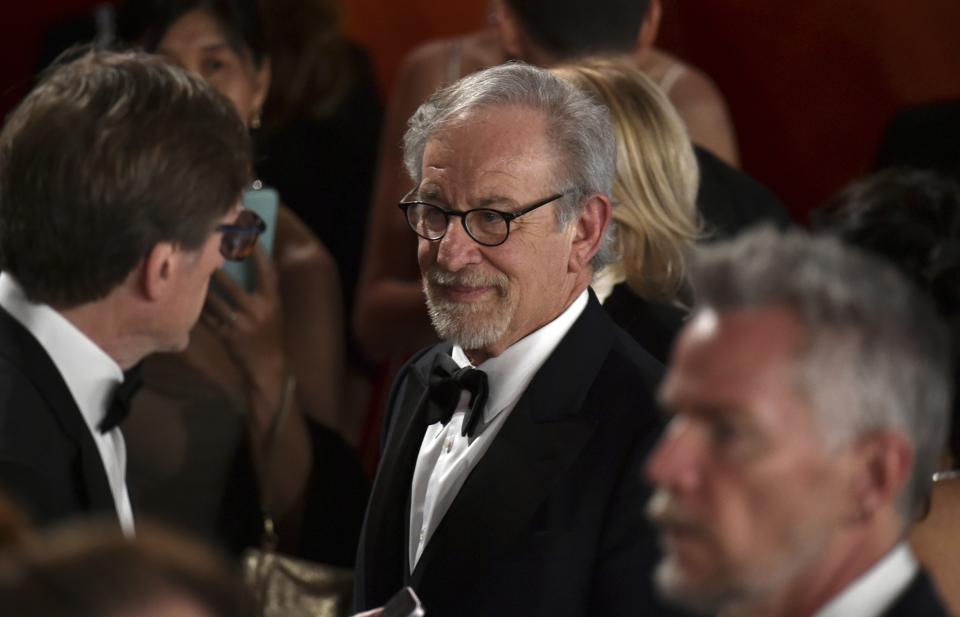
x=240 y=237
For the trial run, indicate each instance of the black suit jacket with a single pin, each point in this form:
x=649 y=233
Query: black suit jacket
x=551 y=520
x=919 y=599
x=49 y=464
x=730 y=201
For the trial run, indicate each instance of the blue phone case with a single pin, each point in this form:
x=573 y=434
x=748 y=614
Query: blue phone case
x=265 y=202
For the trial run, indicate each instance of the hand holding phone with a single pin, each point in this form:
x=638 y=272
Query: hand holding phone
x=265 y=202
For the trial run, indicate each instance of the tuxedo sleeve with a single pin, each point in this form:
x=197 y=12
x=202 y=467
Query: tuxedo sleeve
x=629 y=552
x=623 y=582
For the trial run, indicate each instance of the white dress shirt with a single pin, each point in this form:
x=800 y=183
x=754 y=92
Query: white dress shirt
x=446 y=457
x=874 y=592
x=91 y=376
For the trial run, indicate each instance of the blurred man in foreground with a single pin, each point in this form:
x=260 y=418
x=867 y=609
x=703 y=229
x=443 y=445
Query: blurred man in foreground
x=809 y=396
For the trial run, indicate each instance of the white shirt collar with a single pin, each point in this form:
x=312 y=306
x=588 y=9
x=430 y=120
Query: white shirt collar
x=509 y=373
x=874 y=592
x=90 y=374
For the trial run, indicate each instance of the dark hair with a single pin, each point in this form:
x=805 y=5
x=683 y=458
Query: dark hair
x=110 y=154
x=570 y=28
x=240 y=20
x=912 y=219
x=312 y=62
x=92 y=571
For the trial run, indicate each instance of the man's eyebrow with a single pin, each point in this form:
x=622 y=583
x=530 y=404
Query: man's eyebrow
x=487 y=201
x=493 y=200
x=428 y=192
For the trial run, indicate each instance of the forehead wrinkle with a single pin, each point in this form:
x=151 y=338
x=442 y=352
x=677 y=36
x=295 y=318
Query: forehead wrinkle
x=437 y=186
x=503 y=150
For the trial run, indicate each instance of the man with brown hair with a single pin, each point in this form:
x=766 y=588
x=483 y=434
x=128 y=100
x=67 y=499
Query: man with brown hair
x=120 y=179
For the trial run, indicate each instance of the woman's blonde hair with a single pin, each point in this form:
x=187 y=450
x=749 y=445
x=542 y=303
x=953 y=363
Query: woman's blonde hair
x=657 y=177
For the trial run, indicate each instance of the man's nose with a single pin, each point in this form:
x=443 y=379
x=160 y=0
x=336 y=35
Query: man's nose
x=675 y=461
x=456 y=248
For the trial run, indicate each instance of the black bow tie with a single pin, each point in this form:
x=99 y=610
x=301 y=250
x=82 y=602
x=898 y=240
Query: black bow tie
x=122 y=395
x=447 y=381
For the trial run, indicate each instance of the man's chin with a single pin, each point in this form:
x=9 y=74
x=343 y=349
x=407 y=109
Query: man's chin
x=465 y=326
x=678 y=587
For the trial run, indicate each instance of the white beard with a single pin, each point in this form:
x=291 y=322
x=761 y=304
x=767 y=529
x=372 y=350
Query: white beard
x=475 y=325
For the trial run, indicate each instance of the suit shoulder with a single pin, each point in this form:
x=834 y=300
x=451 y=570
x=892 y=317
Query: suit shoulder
x=919 y=599
x=628 y=356
x=26 y=419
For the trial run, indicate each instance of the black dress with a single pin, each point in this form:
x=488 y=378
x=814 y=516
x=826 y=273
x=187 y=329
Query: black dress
x=651 y=324
x=324 y=171
x=730 y=201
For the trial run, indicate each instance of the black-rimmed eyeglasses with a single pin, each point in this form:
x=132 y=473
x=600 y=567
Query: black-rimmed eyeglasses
x=240 y=237
x=486 y=226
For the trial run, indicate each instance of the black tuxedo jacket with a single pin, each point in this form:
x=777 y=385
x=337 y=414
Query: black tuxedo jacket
x=919 y=599
x=551 y=519
x=49 y=464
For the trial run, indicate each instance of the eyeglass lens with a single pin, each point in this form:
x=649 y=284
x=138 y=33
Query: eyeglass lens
x=484 y=226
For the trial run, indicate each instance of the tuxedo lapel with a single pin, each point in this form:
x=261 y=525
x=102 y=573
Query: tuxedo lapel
x=387 y=526
x=25 y=352
x=538 y=442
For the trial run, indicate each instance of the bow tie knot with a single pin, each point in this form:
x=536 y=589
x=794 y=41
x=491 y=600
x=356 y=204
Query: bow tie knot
x=121 y=399
x=446 y=382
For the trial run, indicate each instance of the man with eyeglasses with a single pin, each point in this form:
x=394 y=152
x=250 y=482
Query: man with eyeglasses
x=509 y=479
x=120 y=179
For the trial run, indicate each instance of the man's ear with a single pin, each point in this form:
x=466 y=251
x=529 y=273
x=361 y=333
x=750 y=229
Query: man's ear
x=884 y=465
x=650 y=27
x=590 y=228
x=158 y=270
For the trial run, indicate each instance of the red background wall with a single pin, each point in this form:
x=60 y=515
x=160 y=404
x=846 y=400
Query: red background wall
x=810 y=85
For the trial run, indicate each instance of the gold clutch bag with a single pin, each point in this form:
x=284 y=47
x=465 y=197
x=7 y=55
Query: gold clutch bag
x=287 y=587
x=284 y=586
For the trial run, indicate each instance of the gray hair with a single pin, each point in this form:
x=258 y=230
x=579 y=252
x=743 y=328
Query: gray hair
x=876 y=354
x=580 y=130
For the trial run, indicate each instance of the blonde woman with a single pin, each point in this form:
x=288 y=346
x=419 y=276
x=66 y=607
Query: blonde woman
x=654 y=201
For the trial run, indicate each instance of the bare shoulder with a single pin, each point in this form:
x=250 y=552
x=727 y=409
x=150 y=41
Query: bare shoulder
x=683 y=82
x=697 y=99
x=482 y=49
x=944 y=512
x=434 y=62
x=936 y=543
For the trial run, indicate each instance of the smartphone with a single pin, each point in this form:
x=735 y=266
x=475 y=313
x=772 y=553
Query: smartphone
x=264 y=201
x=404 y=603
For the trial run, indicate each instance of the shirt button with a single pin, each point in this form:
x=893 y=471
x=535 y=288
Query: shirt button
x=423 y=535
x=448 y=445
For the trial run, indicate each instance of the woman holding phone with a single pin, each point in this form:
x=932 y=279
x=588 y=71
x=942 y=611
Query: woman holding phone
x=234 y=424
